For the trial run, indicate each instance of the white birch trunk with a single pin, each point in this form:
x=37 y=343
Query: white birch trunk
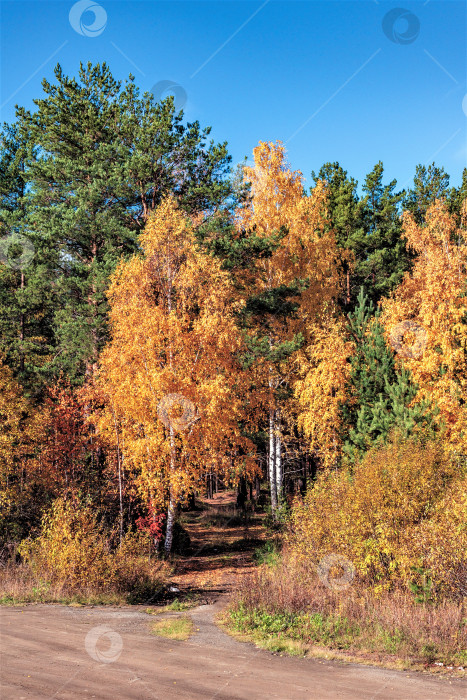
x=272 y=463
x=171 y=509
x=278 y=457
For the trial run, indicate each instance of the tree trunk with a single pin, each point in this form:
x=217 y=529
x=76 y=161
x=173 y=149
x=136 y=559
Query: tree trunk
x=272 y=463
x=278 y=459
x=169 y=532
x=171 y=509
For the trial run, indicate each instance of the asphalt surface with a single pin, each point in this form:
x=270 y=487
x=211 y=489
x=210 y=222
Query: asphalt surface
x=57 y=652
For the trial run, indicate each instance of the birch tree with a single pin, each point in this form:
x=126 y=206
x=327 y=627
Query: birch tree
x=170 y=370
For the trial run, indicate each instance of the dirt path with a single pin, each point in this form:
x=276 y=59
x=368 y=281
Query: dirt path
x=222 y=546
x=67 y=653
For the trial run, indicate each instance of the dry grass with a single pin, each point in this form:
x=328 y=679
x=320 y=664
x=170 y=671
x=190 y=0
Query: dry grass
x=278 y=605
x=20 y=583
x=179 y=628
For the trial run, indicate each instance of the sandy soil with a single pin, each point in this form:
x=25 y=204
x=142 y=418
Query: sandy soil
x=64 y=653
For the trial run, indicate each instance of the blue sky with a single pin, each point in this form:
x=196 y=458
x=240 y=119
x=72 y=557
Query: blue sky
x=324 y=77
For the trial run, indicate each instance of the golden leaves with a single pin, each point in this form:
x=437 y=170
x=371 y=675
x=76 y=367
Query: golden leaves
x=174 y=341
x=430 y=305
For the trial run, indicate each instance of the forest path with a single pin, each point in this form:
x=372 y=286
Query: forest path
x=223 y=542
x=64 y=653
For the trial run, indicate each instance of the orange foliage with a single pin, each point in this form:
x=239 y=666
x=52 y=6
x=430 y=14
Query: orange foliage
x=307 y=254
x=433 y=297
x=322 y=390
x=170 y=378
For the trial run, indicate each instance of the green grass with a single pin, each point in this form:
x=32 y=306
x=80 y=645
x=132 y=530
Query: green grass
x=179 y=628
x=267 y=554
x=298 y=633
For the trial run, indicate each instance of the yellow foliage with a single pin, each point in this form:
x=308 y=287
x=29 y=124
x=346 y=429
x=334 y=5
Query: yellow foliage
x=71 y=548
x=432 y=302
x=307 y=254
x=174 y=335
x=386 y=515
x=22 y=430
x=307 y=251
x=321 y=391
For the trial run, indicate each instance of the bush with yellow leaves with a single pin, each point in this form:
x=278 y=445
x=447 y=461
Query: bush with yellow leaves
x=74 y=551
x=397 y=517
x=71 y=547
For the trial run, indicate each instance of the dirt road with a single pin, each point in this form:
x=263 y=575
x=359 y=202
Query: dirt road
x=67 y=653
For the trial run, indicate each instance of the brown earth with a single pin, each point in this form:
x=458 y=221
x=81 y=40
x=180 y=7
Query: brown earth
x=109 y=653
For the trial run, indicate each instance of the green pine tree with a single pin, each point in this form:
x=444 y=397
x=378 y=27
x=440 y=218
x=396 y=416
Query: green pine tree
x=430 y=183
x=458 y=195
x=370 y=228
x=104 y=158
x=380 y=395
x=25 y=302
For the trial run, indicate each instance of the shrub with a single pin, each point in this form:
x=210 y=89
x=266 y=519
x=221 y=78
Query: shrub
x=399 y=511
x=71 y=547
x=73 y=551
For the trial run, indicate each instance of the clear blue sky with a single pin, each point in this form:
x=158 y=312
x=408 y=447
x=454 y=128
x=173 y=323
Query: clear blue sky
x=321 y=76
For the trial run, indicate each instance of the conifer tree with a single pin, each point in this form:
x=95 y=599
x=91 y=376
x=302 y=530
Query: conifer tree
x=368 y=227
x=457 y=196
x=25 y=298
x=380 y=396
x=105 y=157
x=430 y=183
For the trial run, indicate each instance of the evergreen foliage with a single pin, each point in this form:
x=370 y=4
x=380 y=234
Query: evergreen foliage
x=380 y=395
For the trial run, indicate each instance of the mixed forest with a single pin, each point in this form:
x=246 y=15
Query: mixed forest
x=171 y=326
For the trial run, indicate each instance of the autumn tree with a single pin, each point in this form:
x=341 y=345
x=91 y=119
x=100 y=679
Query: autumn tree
x=20 y=438
x=322 y=389
x=425 y=320
x=291 y=286
x=172 y=382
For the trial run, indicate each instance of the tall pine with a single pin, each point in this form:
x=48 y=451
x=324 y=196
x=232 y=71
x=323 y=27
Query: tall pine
x=105 y=157
x=380 y=395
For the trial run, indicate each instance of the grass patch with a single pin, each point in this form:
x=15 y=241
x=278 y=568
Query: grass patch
x=285 y=611
x=180 y=628
x=20 y=584
x=267 y=554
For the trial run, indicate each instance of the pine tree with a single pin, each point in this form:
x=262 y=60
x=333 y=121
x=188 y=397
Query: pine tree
x=105 y=158
x=430 y=183
x=25 y=299
x=368 y=227
x=380 y=396
x=344 y=214
x=457 y=196
x=381 y=251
